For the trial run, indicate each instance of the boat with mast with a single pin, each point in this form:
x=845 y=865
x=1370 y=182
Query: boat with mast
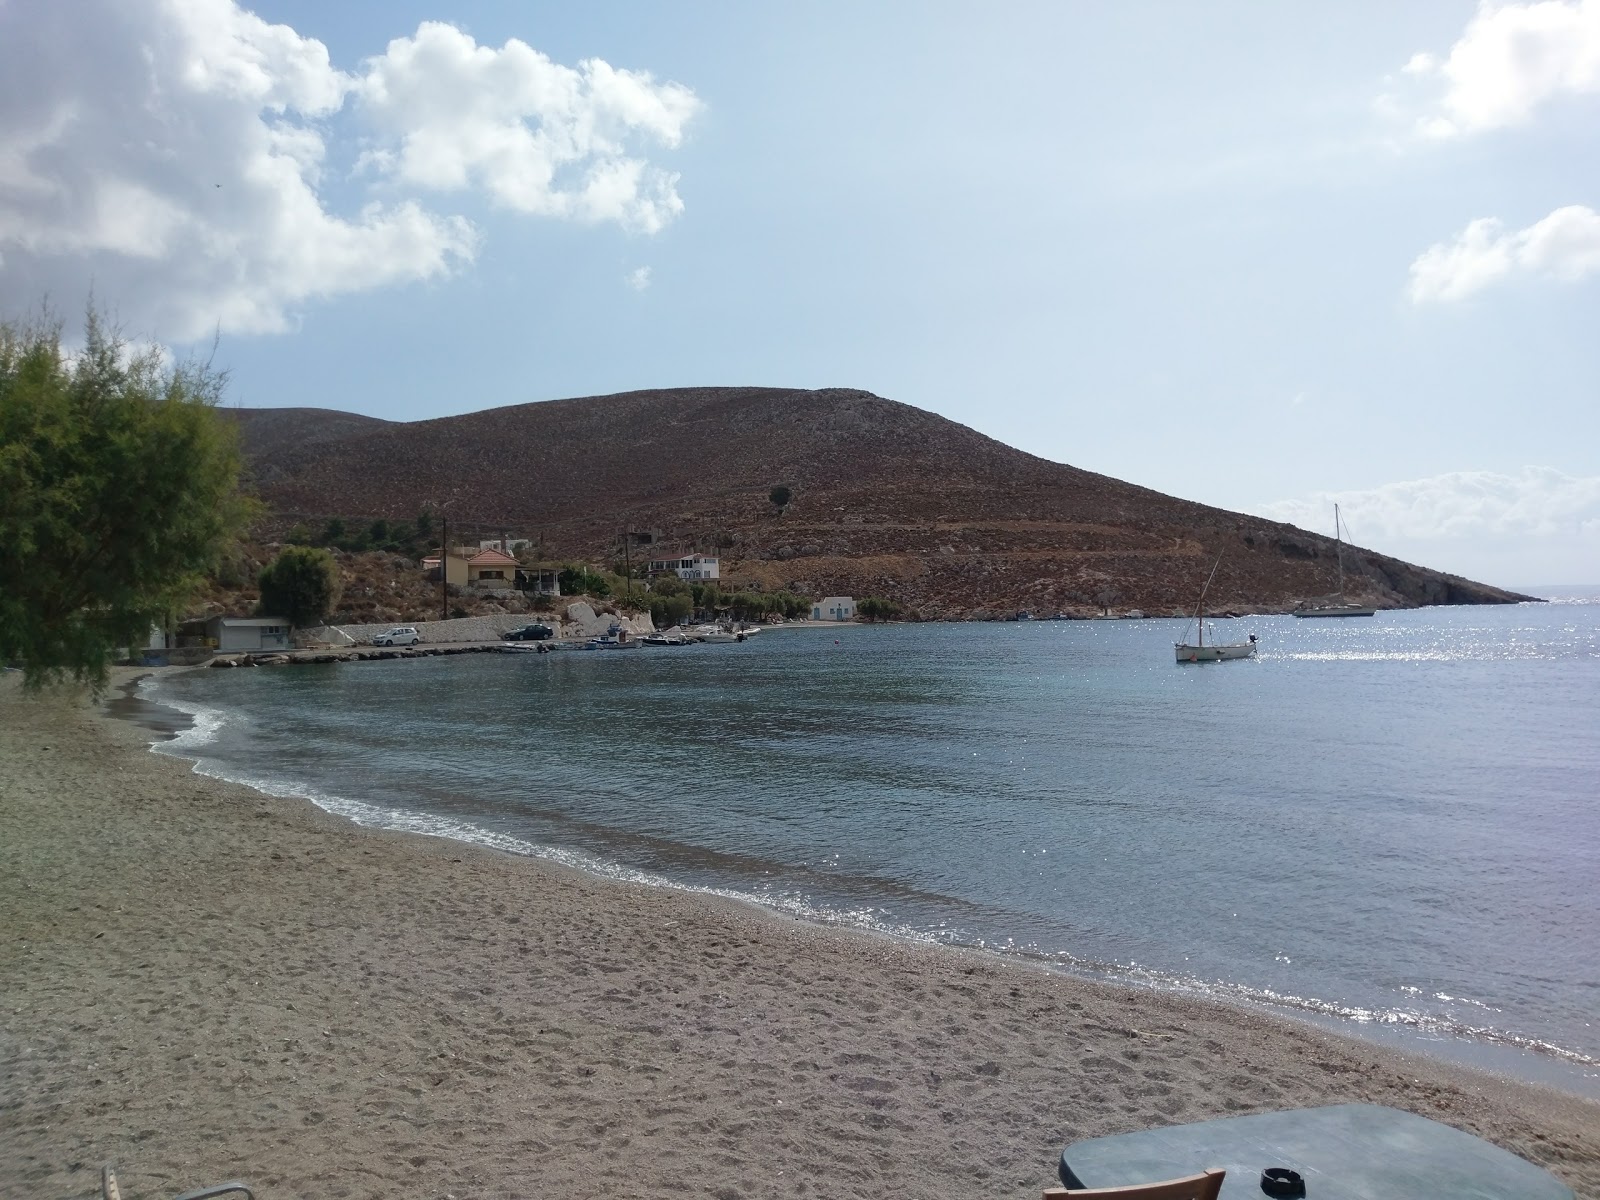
x=1335 y=605
x=1198 y=651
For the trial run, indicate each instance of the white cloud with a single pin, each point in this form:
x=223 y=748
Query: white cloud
x=1536 y=502
x=183 y=157
x=1565 y=245
x=1510 y=59
x=638 y=278
x=541 y=138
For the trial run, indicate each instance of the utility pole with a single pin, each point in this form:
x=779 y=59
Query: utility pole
x=444 y=567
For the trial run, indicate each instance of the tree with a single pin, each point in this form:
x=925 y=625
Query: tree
x=780 y=496
x=118 y=490
x=667 y=611
x=668 y=584
x=302 y=584
x=577 y=580
x=875 y=609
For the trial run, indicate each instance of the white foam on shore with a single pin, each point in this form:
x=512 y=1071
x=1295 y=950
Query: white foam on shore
x=1432 y=1024
x=209 y=722
x=206 y=722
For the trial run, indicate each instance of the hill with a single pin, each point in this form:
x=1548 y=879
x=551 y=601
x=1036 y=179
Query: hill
x=888 y=500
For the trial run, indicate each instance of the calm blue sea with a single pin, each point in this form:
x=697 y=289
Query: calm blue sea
x=1388 y=824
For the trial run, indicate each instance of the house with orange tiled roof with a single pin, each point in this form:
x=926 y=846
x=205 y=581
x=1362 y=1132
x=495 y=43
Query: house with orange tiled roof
x=466 y=567
x=491 y=569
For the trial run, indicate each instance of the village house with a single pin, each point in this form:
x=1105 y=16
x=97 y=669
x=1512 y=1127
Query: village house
x=465 y=567
x=834 y=608
x=506 y=545
x=695 y=568
x=229 y=634
x=490 y=569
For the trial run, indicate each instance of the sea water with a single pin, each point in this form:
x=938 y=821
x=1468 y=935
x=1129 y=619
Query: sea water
x=1389 y=824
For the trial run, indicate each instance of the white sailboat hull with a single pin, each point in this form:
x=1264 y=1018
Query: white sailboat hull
x=1199 y=654
x=1336 y=610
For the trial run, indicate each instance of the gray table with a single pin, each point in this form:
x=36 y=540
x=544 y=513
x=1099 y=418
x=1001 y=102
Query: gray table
x=1344 y=1152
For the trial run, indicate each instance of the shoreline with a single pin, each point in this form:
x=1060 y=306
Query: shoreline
x=209 y=982
x=1493 y=1051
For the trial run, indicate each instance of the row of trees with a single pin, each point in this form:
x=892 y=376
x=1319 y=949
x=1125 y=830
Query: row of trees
x=874 y=608
x=412 y=539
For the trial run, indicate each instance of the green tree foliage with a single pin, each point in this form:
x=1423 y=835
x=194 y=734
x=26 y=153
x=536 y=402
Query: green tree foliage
x=669 y=584
x=298 y=535
x=302 y=584
x=791 y=605
x=707 y=597
x=875 y=609
x=397 y=537
x=578 y=580
x=668 y=610
x=425 y=524
x=780 y=496
x=118 y=490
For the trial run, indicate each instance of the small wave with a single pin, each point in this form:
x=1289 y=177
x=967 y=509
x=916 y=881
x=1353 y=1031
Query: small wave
x=397 y=820
x=1422 y=1022
x=1501 y=653
x=206 y=722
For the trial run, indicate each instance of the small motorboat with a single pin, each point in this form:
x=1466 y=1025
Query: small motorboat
x=663 y=639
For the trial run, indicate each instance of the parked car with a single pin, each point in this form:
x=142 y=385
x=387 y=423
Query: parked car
x=400 y=635
x=536 y=632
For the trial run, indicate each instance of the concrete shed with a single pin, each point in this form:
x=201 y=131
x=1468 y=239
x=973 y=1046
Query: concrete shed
x=248 y=633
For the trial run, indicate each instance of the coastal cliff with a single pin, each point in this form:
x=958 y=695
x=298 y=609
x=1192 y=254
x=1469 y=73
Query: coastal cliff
x=887 y=500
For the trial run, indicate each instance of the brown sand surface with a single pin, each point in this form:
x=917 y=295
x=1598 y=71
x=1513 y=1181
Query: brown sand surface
x=198 y=982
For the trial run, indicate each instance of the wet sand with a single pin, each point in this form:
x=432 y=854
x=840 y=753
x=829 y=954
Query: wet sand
x=198 y=982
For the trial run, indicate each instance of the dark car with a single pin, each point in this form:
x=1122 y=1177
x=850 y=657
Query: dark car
x=537 y=632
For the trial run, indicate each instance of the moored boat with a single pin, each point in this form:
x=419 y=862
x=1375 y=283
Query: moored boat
x=1335 y=605
x=1198 y=651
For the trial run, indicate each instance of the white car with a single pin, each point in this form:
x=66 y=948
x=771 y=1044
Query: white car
x=400 y=635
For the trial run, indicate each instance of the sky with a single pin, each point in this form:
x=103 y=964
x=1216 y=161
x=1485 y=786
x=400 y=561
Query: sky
x=1267 y=257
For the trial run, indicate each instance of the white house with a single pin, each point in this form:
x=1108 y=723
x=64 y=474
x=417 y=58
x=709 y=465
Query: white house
x=834 y=608
x=506 y=545
x=248 y=633
x=695 y=568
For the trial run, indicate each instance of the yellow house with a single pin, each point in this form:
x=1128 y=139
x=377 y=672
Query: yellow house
x=456 y=571
x=490 y=569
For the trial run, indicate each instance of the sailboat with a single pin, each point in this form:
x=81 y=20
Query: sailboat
x=1339 y=607
x=1199 y=652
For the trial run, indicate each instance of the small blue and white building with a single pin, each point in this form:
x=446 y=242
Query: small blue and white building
x=834 y=608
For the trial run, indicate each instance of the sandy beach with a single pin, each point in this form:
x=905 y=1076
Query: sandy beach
x=198 y=982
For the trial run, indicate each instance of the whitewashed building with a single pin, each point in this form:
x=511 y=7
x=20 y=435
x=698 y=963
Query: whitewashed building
x=506 y=545
x=834 y=608
x=696 y=568
x=248 y=633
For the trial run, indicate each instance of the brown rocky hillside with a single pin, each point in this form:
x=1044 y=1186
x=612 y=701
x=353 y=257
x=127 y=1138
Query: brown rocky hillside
x=888 y=500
